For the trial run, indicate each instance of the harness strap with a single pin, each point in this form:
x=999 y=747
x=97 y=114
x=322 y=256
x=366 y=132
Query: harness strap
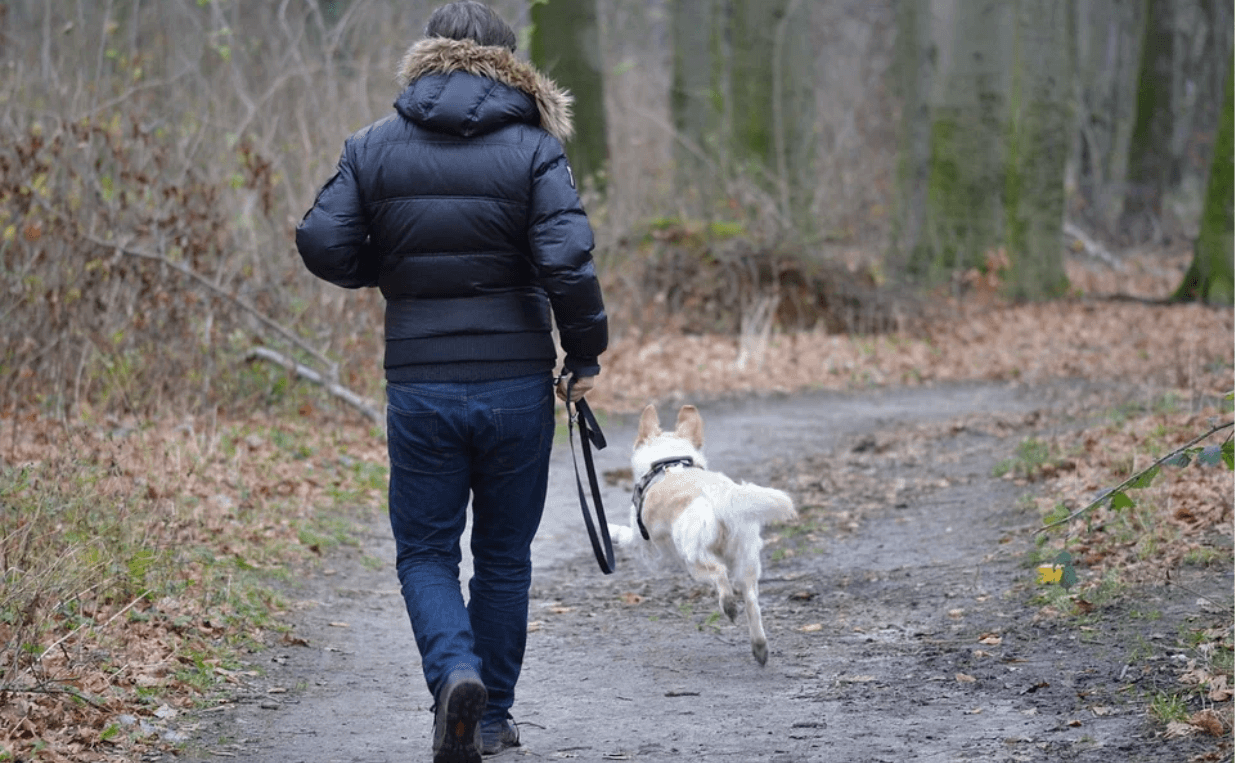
x=590 y=432
x=656 y=470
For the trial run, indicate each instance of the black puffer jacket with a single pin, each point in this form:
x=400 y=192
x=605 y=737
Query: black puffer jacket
x=462 y=209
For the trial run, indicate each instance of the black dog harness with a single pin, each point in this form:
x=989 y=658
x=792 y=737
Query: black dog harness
x=656 y=471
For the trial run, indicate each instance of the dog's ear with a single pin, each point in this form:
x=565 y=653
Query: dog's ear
x=649 y=426
x=690 y=427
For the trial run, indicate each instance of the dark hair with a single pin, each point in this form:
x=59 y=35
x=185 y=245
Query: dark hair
x=471 y=20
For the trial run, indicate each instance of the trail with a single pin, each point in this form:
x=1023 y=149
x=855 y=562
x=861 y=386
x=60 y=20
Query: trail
x=899 y=623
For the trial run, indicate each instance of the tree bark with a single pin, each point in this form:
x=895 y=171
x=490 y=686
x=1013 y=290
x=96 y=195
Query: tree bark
x=566 y=45
x=699 y=97
x=966 y=133
x=772 y=97
x=1107 y=40
x=914 y=67
x=1038 y=144
x=1184 y=61
x=1210 y=277
x=985 y=90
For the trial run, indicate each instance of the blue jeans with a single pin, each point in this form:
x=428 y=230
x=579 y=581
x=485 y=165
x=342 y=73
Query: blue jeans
x=444 y=440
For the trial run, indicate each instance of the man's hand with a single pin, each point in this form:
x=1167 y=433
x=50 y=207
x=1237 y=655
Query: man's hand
x=579 y=388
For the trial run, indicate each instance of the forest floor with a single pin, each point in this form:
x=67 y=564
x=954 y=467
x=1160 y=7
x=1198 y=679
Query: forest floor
x=906 y=613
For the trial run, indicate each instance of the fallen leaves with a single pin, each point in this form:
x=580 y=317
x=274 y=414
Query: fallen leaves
x=1167 y=345
x=186 y=486
x=1206 y=721
x=1215 y=685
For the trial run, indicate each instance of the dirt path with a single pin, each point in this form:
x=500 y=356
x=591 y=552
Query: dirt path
x=900 y=618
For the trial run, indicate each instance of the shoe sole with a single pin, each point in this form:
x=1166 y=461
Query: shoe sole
x=464 y=707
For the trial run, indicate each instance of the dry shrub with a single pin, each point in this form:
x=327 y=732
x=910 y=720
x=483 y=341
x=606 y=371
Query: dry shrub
x=715 y=278
x=98 y=234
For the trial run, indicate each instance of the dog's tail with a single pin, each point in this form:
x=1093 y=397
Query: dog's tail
x=748 y=502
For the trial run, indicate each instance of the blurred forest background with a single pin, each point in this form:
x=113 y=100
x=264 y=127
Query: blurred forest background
x=787 y=195
x=750 y=165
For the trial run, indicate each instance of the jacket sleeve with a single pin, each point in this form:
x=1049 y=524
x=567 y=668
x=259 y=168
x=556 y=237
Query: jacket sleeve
x=561 y=242
x=333 y=236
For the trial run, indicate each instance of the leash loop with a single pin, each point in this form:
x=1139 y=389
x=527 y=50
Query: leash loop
x=590 y=433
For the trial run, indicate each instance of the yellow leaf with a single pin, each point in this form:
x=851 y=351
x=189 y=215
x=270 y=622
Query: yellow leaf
x=1050 y=574
x=811 y=628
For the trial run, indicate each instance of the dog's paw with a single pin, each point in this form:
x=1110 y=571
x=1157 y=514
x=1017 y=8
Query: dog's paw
x=760 y=651
x=619 y=534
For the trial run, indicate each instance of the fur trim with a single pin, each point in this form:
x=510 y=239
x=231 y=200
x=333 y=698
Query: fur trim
x=440 y=55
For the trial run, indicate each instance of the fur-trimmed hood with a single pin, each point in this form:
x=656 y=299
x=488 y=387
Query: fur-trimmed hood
x=439 y=55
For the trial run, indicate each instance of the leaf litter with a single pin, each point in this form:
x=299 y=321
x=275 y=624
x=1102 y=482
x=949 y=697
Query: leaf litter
x=112 y=677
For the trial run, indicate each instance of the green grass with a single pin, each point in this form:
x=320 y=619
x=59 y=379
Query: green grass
x=1030 y=457
x=1168 y=707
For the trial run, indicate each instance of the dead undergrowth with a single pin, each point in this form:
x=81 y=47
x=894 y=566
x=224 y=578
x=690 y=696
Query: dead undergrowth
x=135 y=552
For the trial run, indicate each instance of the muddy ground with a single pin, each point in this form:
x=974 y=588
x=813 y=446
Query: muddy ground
x=902 y=616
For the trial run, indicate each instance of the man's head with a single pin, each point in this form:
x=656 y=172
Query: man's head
x=471 y=20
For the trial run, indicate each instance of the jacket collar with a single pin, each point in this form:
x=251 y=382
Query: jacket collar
x=439 y=55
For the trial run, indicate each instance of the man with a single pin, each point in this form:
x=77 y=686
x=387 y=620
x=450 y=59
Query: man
x=462 y=209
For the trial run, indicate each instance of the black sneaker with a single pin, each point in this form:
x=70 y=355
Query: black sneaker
x=497 y=736
x=457 y=716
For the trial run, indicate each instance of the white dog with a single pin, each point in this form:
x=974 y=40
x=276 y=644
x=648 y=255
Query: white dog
x=704 y=518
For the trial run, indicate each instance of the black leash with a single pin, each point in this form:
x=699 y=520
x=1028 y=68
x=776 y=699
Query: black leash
x=590 y=432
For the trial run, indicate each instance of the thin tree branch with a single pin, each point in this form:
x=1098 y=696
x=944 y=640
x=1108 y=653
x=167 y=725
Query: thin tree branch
x=367 y=408
x=110 y=620
x=278 y=328
x=1091 y=246
x=1133 y=479
x=8 y=689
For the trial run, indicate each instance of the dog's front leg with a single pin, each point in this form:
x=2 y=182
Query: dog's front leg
x=752 y=605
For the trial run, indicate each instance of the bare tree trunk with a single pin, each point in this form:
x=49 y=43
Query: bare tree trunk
x=1039 y=140
x=699 y=97
x=966 y=154
x=1183 y=68
x=771 y=95
x=566 y=46
x=986 y=89
x=1211 y=275
x=914 y=67
x=1107 y=39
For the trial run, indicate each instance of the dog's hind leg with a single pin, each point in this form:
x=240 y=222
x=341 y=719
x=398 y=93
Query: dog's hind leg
x=695 y=536
x=756 y=632
x=748 y=574
x=714 y=570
